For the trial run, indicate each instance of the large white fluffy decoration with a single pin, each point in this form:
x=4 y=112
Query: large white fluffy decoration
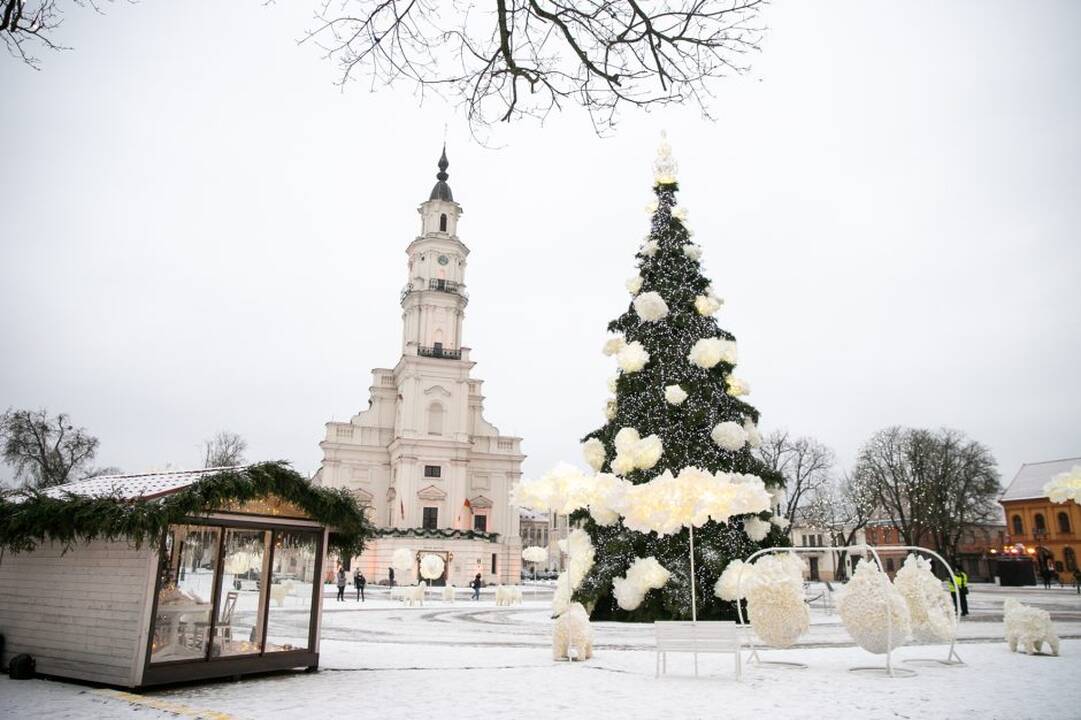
x=634 y=452
x=667 y=504
x=634 y=284
x=611 y=407
x=650 y=306
x=650 y=248
x=613 y=345
x=707 y=304
x=674 y=394
x=692 y=251
x=729 y=435
x=580 y=556
x=593 y=452
x=431 y=567
x=633 y=357
x=707 y=352
x=607 y=498
x=737 y=387
x=929 y=605
x=730 y=586
x=1065 y=486
x=643 y=575
x=754 y=437
x=872 y=610
x=562 y=490
x=756 y=528
x=775 y=600
x=402 y=560
x=535 y=554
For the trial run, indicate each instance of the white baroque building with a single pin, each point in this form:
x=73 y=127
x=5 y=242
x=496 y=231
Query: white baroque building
x=435 y=475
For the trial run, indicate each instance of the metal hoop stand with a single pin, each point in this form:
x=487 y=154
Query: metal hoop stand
x=888 y=670
x=952 y=658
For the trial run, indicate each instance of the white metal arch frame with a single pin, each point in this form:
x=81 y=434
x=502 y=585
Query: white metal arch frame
x=952 y=657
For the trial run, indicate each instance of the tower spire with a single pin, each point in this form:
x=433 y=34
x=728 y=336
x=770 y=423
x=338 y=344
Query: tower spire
x=441 y=191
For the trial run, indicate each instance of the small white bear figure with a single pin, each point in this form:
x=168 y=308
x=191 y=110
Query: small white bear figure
x=573 y=636
x=1029 y=628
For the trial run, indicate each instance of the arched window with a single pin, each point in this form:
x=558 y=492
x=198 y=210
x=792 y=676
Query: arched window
x=435 y=419
x=443 y=222
x=1071 y=559
x=1018 y=525
x=1039 y=522
x=1063 y=523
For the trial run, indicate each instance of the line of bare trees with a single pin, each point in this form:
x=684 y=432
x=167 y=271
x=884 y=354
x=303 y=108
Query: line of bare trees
x=45 y=450
x=931 y=485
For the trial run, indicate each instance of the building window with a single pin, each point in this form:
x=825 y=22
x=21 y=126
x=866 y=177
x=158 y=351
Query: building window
x=1018 y=525
x=889 y=565
x=435 y=419
x=1071 y=559
x=494 y=568
x=1063 y=523
x=480 y=522
x=443 y=222
x=1040 y=524
x=433 y=471
x=431 y=518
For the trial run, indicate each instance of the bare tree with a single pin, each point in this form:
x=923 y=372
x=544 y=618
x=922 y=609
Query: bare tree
x=528 y=57
x=933 y=486
x=45 y=450
x=27 y=26
x=805 y=463
x=226 y=449
x=841 y=509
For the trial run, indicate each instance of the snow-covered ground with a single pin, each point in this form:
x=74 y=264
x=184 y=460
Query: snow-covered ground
x=473 y=659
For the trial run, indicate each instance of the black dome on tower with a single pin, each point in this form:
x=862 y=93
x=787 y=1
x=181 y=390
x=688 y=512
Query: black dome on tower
x=441 y=191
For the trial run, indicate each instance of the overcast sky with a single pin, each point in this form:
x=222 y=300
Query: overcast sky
x=200 y=231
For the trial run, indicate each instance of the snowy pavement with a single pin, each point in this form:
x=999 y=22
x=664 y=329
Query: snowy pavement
x=473 y=659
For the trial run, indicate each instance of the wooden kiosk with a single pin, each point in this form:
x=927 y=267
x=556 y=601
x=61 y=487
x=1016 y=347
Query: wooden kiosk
x=139 y=580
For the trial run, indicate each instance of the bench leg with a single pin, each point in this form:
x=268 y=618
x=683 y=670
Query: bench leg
x=739 y=666
x=657 y=671
x=696 y=664
x=664 y=663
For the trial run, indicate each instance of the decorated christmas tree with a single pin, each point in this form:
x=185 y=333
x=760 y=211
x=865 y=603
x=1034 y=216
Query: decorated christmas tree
x=678 y=423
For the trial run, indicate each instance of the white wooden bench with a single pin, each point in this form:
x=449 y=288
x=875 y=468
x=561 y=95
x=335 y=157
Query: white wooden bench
x=702 y=637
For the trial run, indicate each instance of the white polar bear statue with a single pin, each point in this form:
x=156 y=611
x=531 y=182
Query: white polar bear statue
x=1029 y=628
x=573 y=636
x=414 y=595
x=508 y=595
x=448 y=594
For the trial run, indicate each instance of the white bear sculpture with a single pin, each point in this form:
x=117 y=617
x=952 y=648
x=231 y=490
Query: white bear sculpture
x=1028 y=628
x=508 y=595
x=448 y=594
x=573 y=636
x=414 y=595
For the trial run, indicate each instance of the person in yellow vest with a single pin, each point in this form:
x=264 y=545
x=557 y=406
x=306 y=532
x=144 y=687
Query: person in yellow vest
x=958 y=583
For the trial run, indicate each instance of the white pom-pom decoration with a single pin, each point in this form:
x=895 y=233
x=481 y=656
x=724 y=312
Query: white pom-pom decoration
x=1065 y=486
x=634 y=284
x=431 y=567
x=613 y=345
x=692 y=251
x=729 y=435
x=929 y=605
x=780 y=521
x=644 y=574
x=593 y=452
x=674 y=394
x=707 y=352
x=633 y=357
x=756 y=528
x=634 y=452
x=679 y=213
x=651 y=207
x=535 y=554
x=650 y=306
x=707 y=304
x=754 y=437
x=610 y=409
x=730 y=586
x=869 y=599
x=650 y=248
x=737 y=387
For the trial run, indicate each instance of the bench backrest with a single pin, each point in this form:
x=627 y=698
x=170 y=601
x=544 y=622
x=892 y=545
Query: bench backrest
x=707 y=631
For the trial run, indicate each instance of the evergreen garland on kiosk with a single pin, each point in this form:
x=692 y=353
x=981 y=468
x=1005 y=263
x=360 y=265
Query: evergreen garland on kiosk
x=676 y=382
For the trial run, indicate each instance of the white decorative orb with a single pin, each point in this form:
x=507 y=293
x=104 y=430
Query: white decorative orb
x=431 y=567
x=675 y=395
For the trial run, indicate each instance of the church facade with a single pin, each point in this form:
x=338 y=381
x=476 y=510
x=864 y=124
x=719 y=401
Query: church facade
x=434 y=474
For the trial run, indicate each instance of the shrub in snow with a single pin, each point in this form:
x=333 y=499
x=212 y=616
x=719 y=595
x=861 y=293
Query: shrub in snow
x=633 y=357
x=929 y=606
x=872 y=610
x=1028 y=628
x=729 y=435
x=650 y=306
x=643 y=575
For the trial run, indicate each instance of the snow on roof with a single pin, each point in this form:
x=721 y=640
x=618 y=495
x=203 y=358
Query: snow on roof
x=140 y=485
x=527 y=514
x=1029 y=481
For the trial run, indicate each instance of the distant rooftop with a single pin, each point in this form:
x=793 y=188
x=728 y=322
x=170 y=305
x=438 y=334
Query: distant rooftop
x=1028 y=483
x=139 y=485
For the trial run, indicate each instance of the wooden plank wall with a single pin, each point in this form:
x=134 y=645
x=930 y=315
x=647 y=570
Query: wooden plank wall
x=79 y=613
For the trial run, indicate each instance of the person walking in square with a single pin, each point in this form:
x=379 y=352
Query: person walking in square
x=341 y=584
x=476 y=587
x=359 y=582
